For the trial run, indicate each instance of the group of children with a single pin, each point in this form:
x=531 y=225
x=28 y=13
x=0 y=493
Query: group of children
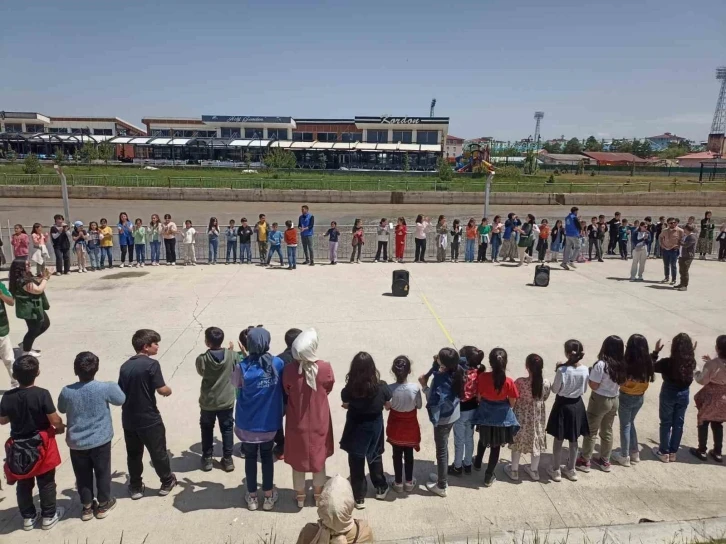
x=248 y=393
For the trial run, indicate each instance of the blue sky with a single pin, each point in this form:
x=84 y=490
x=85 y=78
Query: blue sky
x=611 y=68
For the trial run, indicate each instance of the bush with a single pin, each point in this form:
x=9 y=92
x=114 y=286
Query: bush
x=445 y=170
x=551 y=179
x=592 y=173
x=509 y=172
x=31 y=164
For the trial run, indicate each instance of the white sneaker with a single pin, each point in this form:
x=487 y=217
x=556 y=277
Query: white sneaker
x=511 y=474
x=409 y=486
x=554 y=474
x=85 y=270
x=32 y=352
x=382 y=493
x=571 y=264
x=142 y=265
x=671 y=457
x=662 y=457
x=398 y=488
x=621 y=460
x=30 y=523
x=270 y=501
x=434 y=488
x=122 y=265
x=634 y=457
x=533 y=474
x=252 y=503
x=49 y=523
x=570 y=474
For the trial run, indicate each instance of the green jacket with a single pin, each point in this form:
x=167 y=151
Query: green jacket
x=29 y=306
x=217 y=391
x=4 y=323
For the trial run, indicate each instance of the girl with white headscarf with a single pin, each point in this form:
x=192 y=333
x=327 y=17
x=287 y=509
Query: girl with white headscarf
x=336 y=524
x=308 y=381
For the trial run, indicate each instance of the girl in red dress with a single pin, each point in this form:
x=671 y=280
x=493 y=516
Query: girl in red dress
x=400 y=238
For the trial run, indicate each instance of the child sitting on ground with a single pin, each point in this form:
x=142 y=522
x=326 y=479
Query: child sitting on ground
x=32 y=452
x=89 y=435
x=216 y=398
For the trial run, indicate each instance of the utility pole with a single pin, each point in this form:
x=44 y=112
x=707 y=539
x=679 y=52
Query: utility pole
x=64 y=192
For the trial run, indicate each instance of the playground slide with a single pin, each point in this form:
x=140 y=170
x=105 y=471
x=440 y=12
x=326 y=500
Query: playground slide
x=465 y=168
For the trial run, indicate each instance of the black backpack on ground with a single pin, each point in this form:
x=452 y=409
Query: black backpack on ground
x=542 y=275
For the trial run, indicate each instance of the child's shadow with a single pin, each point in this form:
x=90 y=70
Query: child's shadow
x=216 y=496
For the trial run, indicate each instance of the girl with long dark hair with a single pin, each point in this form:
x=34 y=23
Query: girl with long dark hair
x=443 y=406
x=705 y=236
x=677 y=371
x=401 y=231
x=213 y=238
x=422 y=224
x=30 y=302
x=471 y=360
x=558 y=240
x=125 y=238
x=530 y=411
x=606 y=377
x=568 y=419
x=497 y=227
x=442 y=238
x=526 y=239
x=365 y=396
x=639 y=374
x=497 y=423
x=154 y=231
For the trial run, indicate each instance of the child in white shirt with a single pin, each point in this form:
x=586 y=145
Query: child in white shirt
x=190 y=257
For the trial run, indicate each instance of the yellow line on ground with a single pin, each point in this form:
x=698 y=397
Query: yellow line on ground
x=438 y=319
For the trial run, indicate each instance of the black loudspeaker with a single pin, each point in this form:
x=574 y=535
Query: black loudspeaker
x=399 y=287
x=542 y=275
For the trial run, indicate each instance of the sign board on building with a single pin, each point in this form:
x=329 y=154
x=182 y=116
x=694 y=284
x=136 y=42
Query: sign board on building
x=405 y=120
x=245 y=119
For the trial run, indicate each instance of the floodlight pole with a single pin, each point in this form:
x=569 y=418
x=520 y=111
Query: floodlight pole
x=64 y=191
x=487 y=191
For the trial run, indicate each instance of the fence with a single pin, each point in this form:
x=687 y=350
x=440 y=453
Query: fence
x=325 y=183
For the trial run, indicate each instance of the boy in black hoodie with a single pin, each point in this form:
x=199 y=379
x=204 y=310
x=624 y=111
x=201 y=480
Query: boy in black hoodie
x=216 y=399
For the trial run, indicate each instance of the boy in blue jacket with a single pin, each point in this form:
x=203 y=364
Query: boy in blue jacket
x=275 y=239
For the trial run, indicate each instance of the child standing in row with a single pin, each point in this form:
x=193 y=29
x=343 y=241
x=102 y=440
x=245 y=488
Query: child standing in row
x=530 y=411
x=291 y=243
x=275 y=239
x=403 y=431
x=140 y=235
x=94 y=246
x=40 y=254
x=154 y=236
x=333 y=234
x=455 y=240
x=484 y=231
x=20 y=242
x=190 y=253
x=230 y=236
x=213 y=239
x=106 y=241
x=401 y=232
x=623 y=235
x=471 y=236
x=471 y=360
x=382 y=234
x=711 y=402
x=357 y=242
x=543 y=240
x=568 y=419
x=365 y=396
x=79 y=245
x=442 y=238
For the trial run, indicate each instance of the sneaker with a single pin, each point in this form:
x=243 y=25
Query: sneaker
x=103 y=509
x=49 y=523
x=300 y=499
x=137 y=492
x=716 y=456
x=511 y=474
x=673 y=282
x=251 y=501
x=360 y=505
x=563 y=265
x=270 y=501
x=671 y=457
x=634 y=457
x=87 y=512
x=582 y=464
x=30 y=523
x=409 y=486
x=533 y=474
x=434 y=488
x=382 y=493
x=554 y=474
x=489 y=479
x=603 y=464
x=623 y=461
x=122 y=265
x=398 y=488
x=467 y=469
x=227 y=464
x=682 y=288
x=33 y=352
x=662 y=457
x=572 y=265
x=570 y=474
x=702 y=455
x=206 y=464
x=166 y=488
x=665 y=280
x=455 y=471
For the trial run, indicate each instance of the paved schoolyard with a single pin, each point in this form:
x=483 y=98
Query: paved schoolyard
x=481 y=304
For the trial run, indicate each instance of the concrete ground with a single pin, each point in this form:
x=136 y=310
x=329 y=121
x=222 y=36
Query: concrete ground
x=485 y=305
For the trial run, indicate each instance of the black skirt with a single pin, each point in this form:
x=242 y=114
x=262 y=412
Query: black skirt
x=491 y=437
x=568 y=419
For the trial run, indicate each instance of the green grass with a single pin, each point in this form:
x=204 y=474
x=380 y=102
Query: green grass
x=220 y=178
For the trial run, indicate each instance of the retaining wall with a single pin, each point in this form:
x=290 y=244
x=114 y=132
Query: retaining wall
x=690 y=198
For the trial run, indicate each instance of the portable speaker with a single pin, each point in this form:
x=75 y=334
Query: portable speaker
x=542 y=275
x=399 y=287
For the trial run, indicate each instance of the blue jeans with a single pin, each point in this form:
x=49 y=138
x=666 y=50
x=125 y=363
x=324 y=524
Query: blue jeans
x=672 y=410
x=213 y=249
x=94 y=256
x=106 y=251
x=273 y=250
x=292 y=256
x=464 y=439
x=268 y=467
x=469 y=255
x=670 y=260
x=630 y=405
x=140 y=253
x=245 y=249
x=496 y=244
x=232 y=250
x=155 y=251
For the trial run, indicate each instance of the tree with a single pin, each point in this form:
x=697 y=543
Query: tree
x=12 y=156
x=572 y=147
x=591 y=144
x=322 y=161
x=406 y=162
x=59 y=157
x=621 y=146
x=248 y=159
x=105 y=151
x=642 y=149
x=88 y=153
x=31 y=164
x=530 y=163
x=278 y=158
x=552 y=147
x=674 y=151
x=444 y=168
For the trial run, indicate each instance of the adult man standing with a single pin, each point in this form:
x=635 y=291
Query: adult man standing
x=306 y=224
x=688 y=253
x=614 y=226
x=572 y=239
x=670 y=241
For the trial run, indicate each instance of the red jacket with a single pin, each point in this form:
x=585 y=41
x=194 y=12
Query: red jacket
x=48 y=457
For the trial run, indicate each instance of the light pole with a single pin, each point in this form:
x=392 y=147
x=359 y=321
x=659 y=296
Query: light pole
x=64 y=191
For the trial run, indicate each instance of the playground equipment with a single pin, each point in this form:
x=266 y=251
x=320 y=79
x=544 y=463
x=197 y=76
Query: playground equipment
x=474 y=158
